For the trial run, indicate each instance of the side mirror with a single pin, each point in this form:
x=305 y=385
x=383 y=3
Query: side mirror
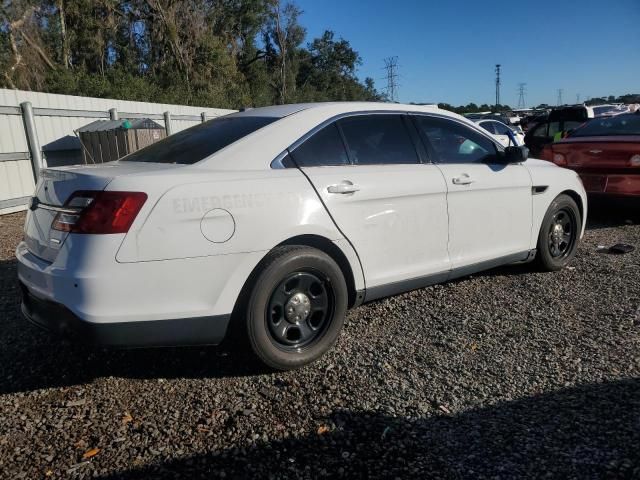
x=515 y=154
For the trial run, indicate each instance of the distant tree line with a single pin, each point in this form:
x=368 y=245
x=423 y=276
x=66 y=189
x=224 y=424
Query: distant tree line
x=218 y=53
x=472 y=108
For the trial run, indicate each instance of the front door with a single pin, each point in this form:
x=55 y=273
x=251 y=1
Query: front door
x=489 y=204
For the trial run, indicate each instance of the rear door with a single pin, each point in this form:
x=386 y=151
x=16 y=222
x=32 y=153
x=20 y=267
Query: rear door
x=390 y=206
x=489 y=204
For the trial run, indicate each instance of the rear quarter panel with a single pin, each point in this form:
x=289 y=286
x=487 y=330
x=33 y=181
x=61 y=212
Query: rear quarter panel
x=258 y=209
x=267 y=208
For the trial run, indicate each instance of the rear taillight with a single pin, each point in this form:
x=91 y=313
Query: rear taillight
x=93 y=212
x=635 y=161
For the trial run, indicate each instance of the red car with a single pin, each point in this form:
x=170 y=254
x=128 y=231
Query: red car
x=605 y=152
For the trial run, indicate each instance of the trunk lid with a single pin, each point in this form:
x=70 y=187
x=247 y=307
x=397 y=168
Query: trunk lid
x=598 y=153
x=54 y=188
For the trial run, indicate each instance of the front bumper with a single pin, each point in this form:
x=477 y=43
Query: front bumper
x=58 y=319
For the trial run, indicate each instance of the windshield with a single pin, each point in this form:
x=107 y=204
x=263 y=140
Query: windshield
x=602 y=127
x=197 y=143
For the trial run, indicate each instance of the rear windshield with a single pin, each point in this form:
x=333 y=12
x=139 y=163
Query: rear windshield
x=197 y=143
x=602 y=127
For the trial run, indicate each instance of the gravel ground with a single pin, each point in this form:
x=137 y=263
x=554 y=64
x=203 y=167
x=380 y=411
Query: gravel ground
x=506 y=374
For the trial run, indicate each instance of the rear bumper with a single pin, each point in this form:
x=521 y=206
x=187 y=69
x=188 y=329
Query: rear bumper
x=619 y=185
x=87 y=280
x=58 y=319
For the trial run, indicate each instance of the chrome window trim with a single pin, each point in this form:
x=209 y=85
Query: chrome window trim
x=277 y=162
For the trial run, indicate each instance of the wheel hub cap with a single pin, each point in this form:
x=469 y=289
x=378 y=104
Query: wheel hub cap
x=297 y=308
x=558 y=230
x=300 y=310
x=562 y=233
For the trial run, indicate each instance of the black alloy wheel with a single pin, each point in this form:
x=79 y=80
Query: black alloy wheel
x=562 y=233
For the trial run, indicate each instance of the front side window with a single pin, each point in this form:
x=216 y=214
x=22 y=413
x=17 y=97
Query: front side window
x=454 y=142
x=322 y=149
x=378 y=140
x=197 y=143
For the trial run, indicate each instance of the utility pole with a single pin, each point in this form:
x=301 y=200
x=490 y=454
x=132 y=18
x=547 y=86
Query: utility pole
x=498 y=84
x=391 y=66
x=560 y=91
x=521 y=92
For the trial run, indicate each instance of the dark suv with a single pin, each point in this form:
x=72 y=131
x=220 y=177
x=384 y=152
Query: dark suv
x=560 y=120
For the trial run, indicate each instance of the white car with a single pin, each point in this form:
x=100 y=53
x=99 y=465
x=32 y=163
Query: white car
x=505 y=135
x=274 y=221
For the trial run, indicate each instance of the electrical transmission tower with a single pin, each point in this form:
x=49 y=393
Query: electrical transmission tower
x=498 y=84
x=391 y=66
x=560 y=92
x=521 y=92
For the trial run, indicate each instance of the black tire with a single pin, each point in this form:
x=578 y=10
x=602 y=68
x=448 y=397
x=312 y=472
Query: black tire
x=312 y=277
x=557 y=245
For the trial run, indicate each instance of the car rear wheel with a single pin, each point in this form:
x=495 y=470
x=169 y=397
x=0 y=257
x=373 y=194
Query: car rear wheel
x=296 y=307
x=560 y=234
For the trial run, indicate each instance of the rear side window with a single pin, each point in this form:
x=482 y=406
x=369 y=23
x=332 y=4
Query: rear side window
x=540 y=131
x=197 y=143
x=378 y=140
x=554 y=127
x=454 y=142
x=324 y=148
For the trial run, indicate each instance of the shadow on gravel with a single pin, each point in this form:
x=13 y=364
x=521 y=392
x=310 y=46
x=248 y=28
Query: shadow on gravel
x=589 y=431
x=612 y=212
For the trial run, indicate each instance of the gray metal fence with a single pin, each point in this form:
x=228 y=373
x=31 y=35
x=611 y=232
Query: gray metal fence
x=37 y=130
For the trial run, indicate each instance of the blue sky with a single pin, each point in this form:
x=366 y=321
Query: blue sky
x=447 y=49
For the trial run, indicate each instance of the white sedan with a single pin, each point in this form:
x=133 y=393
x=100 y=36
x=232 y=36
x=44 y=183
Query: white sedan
x=272 y=222
x=506 y=135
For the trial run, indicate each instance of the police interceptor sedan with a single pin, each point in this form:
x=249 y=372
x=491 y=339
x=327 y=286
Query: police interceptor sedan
x=272 y=222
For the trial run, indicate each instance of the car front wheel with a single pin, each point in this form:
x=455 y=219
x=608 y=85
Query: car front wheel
x=296 y=308
x=560 y=234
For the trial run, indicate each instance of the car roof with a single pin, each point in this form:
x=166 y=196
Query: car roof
x=297 y=120
x=281 y=111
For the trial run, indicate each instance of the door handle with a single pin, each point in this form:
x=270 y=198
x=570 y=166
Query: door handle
x=343 y=188
x=463 y=179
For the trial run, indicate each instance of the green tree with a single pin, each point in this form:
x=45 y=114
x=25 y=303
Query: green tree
x=224 y=53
